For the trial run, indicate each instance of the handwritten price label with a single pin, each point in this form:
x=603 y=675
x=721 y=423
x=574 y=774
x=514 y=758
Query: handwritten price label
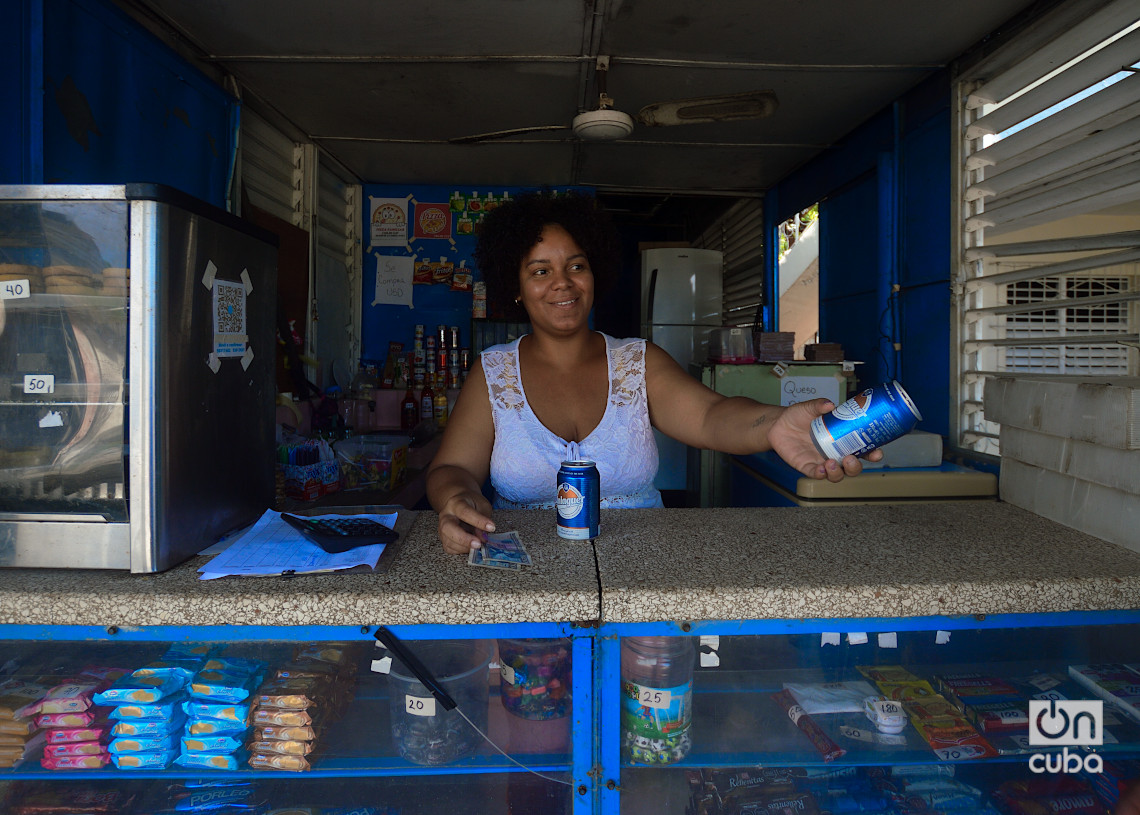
x=655 y=698
x=14 y=289
x=39 y=383
x=420 y=705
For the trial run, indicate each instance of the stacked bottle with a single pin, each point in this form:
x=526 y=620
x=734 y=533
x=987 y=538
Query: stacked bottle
x=657 y=698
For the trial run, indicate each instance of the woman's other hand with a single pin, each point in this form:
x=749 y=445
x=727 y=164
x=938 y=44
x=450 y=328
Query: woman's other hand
x=790 y=438
x=464 y=522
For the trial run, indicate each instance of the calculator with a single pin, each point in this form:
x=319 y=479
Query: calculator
x=336 y=535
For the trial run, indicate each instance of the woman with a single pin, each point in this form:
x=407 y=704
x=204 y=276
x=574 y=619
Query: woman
x=566 y=392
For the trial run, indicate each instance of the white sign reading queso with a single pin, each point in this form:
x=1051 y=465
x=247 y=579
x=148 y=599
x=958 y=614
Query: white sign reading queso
x=795 y=389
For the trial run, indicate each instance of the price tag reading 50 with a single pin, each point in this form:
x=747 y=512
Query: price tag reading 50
x=655 y=698
x=39 y=383
x=419 y=705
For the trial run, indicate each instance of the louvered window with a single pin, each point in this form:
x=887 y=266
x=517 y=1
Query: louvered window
x=739 y=234
x=1049 y=273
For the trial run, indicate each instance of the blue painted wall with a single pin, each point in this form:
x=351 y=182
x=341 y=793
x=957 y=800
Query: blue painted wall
x=885 y=199
x=20 y=67
x=117 y=105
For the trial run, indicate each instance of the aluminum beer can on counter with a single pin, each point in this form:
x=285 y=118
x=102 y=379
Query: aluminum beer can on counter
x=867 y=420
x=579 y=500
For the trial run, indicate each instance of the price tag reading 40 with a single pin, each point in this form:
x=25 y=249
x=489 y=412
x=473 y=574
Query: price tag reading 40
x=14 y=289
x=39 y=383
x=419 y=705
x=654 y=698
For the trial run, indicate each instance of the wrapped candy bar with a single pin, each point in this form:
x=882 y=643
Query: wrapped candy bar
x=80 y=718
x=214 y=744
x=1002 y=717
x=142 y=744
x=954 y=742
x=907 y=691
x=232 y=796
x=202 y=726
x=50 y=798
x=289 y=747
x=64 y=698
x=291 y=694
x=239 y=666
x=278 y=761
x=886 y=673
x=20 y=700
x=159 y=760
x=274 y=716
x=63 y=735
x=149 y=727
x=212 y=761
x=75 y=748
x=221 y=686
x=166 y=709
x=17 y=727
x=213 y=710
x=827 y=748
x=142 y=689
x=184 y=668
x=303 y=733
x=91 y=762
x=934 y=707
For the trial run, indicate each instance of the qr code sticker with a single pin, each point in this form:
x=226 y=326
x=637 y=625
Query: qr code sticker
x=229 y=318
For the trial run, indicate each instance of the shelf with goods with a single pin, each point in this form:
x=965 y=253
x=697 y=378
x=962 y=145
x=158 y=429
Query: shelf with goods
x=964 y=683
x=369 y=738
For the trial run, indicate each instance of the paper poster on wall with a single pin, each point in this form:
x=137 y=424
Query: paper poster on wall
x=230 y=335
x=394 y=280
x=432 y=221
x=388 y=222
x=795 y=389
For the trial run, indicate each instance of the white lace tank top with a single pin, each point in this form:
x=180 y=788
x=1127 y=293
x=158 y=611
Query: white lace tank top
x=526 y=455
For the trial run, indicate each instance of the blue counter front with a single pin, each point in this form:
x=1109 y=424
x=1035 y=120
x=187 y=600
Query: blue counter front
x=765 y=599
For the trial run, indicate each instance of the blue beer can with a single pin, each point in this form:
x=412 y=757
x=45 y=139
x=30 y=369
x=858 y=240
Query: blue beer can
x=579 y=500
x=867 y=420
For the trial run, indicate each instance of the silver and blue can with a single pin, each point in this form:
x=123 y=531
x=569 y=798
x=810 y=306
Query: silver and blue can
x=579 y=500
x=867 y=420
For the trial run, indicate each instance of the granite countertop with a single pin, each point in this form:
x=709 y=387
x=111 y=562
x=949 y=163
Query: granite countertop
x=421 y=585
x=975 y=557
x=905 y=560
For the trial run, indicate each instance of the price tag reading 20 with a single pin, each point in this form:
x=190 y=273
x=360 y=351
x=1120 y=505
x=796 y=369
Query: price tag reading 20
x=39 y=383
x=654 y=698
x=419 y=705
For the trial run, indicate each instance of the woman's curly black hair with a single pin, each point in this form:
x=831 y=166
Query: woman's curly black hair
x=510 y=230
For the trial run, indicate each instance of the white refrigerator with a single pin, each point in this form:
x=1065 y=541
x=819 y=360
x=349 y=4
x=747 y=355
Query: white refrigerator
x=680 y=304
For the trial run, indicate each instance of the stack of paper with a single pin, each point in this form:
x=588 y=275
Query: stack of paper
x=272 y=547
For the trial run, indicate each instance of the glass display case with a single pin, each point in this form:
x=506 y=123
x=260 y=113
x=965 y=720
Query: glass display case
x=1003 y=715
x=906 y=717
x=266 y=723
x=136 y=375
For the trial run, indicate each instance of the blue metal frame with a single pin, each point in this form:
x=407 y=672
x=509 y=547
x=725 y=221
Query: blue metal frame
x=607 y=667
x=595 y=761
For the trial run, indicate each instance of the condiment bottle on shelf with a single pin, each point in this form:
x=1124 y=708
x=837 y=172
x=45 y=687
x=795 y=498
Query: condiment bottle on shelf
x=440 y=408
x=409 y=409
x=657 y=698
x=427 y=395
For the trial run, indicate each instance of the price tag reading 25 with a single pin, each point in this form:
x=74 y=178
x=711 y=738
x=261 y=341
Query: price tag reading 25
x=39 y=383
x=654 y=698
x=419 y=705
